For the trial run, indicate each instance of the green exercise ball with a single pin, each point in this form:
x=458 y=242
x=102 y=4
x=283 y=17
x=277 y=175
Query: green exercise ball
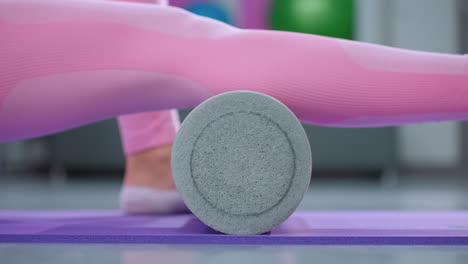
x=333 y=18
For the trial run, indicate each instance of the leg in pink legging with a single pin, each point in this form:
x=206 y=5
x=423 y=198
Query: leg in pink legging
x=147 y=139
x=148 y=185
x=143 y=131
x=68 y=63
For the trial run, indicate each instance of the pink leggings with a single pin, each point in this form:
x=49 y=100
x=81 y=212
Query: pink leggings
x=68 y=63
x=142 y=131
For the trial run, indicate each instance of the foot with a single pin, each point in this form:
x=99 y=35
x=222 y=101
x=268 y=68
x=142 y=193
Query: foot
x=148 y=184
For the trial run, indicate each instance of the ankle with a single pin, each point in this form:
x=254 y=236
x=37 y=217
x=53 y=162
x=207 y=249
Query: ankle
x=151 y=168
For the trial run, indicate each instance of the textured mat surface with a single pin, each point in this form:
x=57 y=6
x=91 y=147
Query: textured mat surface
x=353 y=228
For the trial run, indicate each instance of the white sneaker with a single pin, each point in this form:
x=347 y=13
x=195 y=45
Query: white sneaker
x=144 y=200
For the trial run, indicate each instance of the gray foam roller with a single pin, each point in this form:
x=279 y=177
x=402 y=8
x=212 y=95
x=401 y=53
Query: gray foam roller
x=242 y=162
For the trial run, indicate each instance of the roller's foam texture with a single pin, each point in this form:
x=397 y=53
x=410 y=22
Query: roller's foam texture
x=307 y=228
x=68 y=63
x=242 y=162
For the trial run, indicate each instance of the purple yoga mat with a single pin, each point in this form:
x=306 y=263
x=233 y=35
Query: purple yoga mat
x=353 y=228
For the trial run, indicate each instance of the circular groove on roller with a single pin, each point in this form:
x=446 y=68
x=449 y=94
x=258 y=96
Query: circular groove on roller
x=242 y=162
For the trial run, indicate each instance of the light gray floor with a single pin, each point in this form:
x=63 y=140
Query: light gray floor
x=95 y=193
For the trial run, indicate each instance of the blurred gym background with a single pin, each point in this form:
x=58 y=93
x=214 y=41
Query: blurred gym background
x=408 y=167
